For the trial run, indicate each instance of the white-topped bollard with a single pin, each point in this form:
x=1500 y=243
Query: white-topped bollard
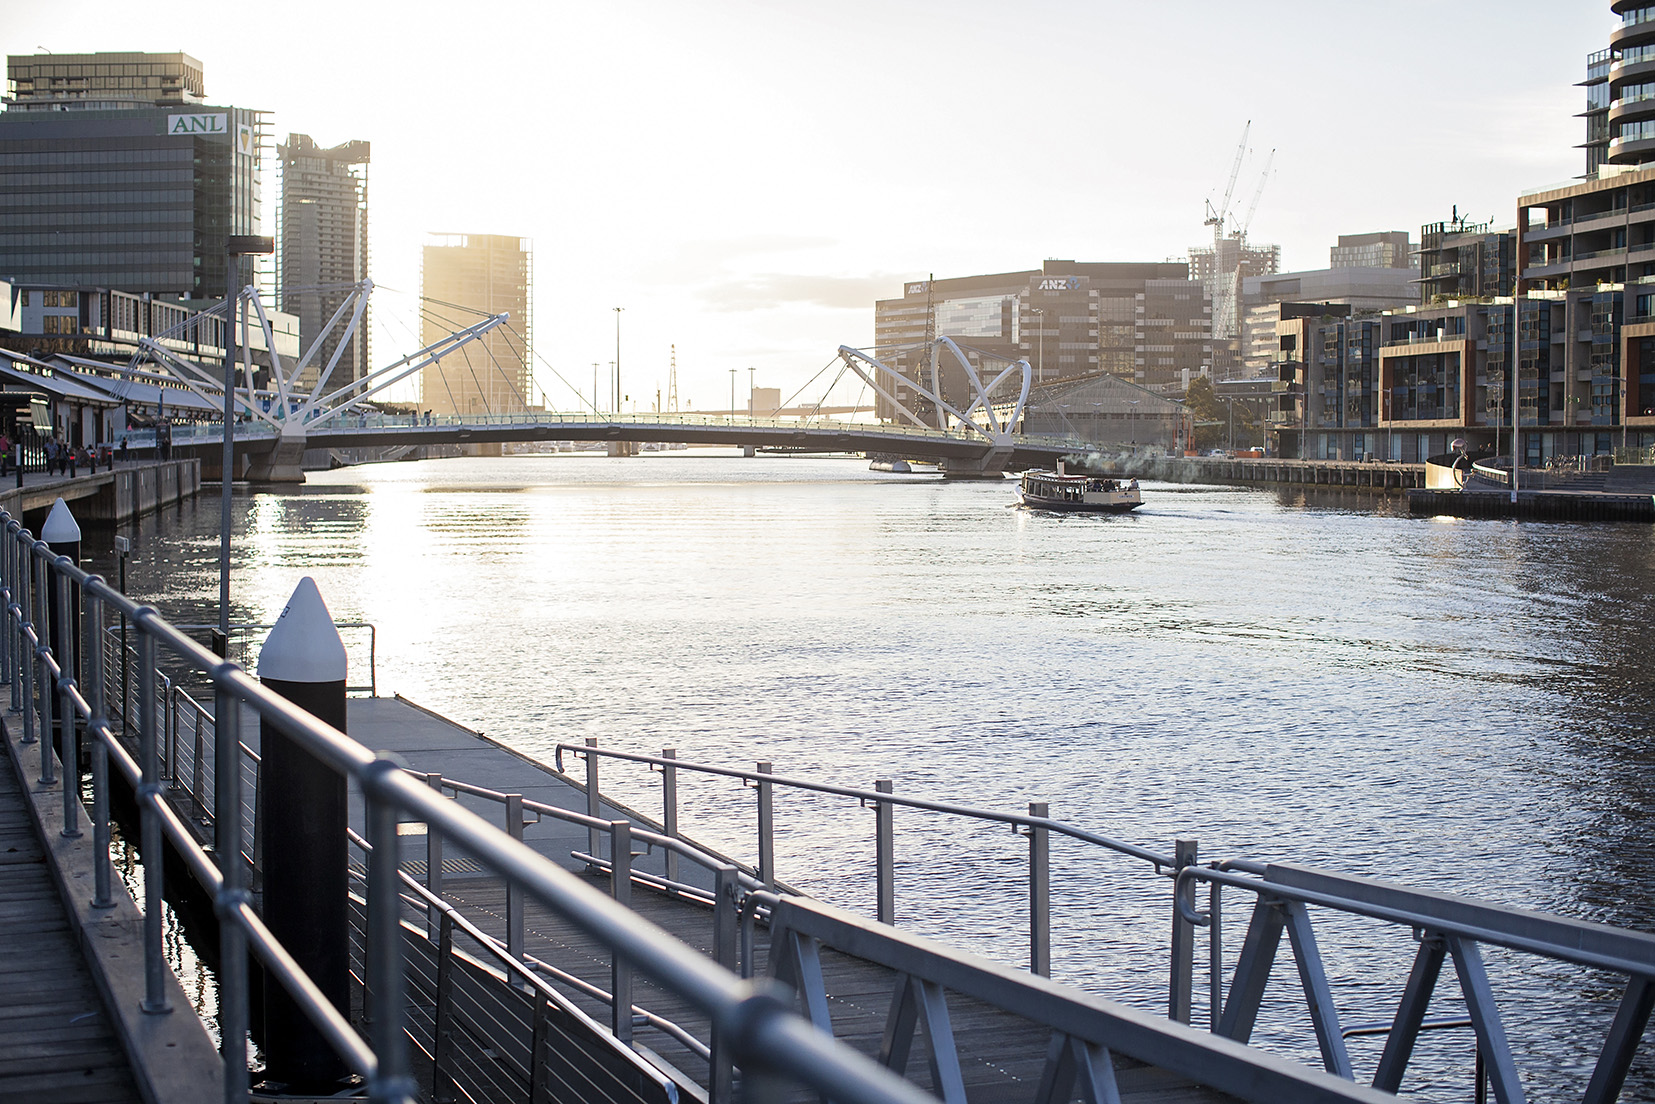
x=305 y=816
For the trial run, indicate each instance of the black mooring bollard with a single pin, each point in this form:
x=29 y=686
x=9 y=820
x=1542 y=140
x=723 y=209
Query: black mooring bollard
x=62 y=535
x=305 y=814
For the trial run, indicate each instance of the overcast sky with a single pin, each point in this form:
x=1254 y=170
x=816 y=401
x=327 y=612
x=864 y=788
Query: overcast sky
x=745 y=178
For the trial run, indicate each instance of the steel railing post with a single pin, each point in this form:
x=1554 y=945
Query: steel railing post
x=767 y=830
x=433 y=862
x=149 y=797
x=669 y=809
x=1215 y=956
x=43 y=655
x=594 y=802
x=198 y=775
x=442 y=1082
x=169 y=726
x=620 y=968
x=514 y=889
x=6 y=577
x=383 y=955
x=70 y=752
x=1040 y=893
x=15 y=585
x=726 y=922
x=234 y=1012
x=1181 y=985
x=25 y=657
x=96 y=728
x=884 y=856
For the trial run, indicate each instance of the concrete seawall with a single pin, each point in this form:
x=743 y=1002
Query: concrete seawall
x=1379 y=478
x=126 y=492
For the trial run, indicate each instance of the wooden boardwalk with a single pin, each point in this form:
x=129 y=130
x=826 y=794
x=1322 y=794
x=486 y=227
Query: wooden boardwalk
x=57 y=1042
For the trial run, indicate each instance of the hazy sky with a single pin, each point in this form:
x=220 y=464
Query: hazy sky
x=745 y=178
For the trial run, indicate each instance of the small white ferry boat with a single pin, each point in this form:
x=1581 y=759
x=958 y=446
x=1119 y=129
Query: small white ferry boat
x=1096 y=494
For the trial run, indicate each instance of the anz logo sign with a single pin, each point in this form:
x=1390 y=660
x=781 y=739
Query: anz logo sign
x=919 y=288
x=1059 y=283
x=196 y=124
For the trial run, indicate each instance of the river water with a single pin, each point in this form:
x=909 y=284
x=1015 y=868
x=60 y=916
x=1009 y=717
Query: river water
x=1461 y=706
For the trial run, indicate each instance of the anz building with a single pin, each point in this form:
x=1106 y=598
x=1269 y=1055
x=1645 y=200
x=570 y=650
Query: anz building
x=115 y=174
x=1148 y=323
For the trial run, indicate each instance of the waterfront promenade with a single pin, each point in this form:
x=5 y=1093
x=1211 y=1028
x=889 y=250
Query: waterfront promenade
x=126 y=490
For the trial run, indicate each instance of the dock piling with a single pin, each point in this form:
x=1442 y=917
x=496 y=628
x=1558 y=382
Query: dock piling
x=306 y=879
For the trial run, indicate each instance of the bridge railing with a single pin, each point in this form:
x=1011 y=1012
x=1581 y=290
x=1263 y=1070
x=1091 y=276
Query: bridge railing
x=50 y=652
x=207 y=432
x=1447 y=929
x=1037 y=826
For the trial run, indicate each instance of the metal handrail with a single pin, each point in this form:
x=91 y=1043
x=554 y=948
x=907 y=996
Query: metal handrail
x=527 y=968
x=1164 y=864
x=372 y=686
x=761 y=1032
x=1036 y=826
x=674 y=844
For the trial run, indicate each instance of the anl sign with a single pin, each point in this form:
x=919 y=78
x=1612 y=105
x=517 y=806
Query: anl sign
x=197 y=124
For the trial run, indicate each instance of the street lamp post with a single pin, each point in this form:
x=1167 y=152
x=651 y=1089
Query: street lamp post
x=236 y=246
x=1134 y=417
x=595 y=387
x=732 y=394
x=1040 y=338
x=750 y=379
x=618 y=358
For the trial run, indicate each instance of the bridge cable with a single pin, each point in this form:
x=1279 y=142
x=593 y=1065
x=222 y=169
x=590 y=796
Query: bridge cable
x=807 y=383
x=465 y=352
x=579 y=398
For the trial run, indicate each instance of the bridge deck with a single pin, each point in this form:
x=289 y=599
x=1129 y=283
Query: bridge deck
x=57 y=1041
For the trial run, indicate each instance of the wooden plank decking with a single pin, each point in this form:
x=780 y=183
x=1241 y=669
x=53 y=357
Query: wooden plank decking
x=57 y=1042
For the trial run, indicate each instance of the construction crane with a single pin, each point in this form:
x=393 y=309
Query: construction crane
x=1264 y=178
x=1216 y=218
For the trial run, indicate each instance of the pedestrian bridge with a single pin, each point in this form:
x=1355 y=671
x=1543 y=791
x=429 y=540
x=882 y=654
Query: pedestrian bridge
x=969 y=429
x=259 y=446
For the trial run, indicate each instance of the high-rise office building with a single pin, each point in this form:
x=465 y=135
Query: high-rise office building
x=1388 y=249
x=1072 y=320
x=465 y=277
x=119 y=175
x=322 y=247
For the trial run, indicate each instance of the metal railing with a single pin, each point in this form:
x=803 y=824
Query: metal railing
x=192 y=433
x=65 y=677
x=1037 y=826
x=247 y=639
x=1447 y=928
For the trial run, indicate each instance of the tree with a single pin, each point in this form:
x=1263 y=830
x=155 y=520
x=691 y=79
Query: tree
x=1206 y=412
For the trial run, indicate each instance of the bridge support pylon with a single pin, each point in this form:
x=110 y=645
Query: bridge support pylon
x=990 y=465
x=284 y=462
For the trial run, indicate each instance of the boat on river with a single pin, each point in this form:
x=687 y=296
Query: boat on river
x=1092 y=494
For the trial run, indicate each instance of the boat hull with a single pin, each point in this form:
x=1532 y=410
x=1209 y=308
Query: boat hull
x=1065 y=506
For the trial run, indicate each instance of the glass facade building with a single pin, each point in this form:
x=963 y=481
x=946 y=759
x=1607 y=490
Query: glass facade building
x=322 y=247
x=479 y=274
x=112 y=181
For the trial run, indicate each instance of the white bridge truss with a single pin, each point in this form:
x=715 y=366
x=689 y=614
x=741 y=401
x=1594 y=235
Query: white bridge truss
x=292 y=408
x=979 y=414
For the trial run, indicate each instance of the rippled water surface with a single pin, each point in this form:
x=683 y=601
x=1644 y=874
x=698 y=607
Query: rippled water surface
x=1457 y=705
